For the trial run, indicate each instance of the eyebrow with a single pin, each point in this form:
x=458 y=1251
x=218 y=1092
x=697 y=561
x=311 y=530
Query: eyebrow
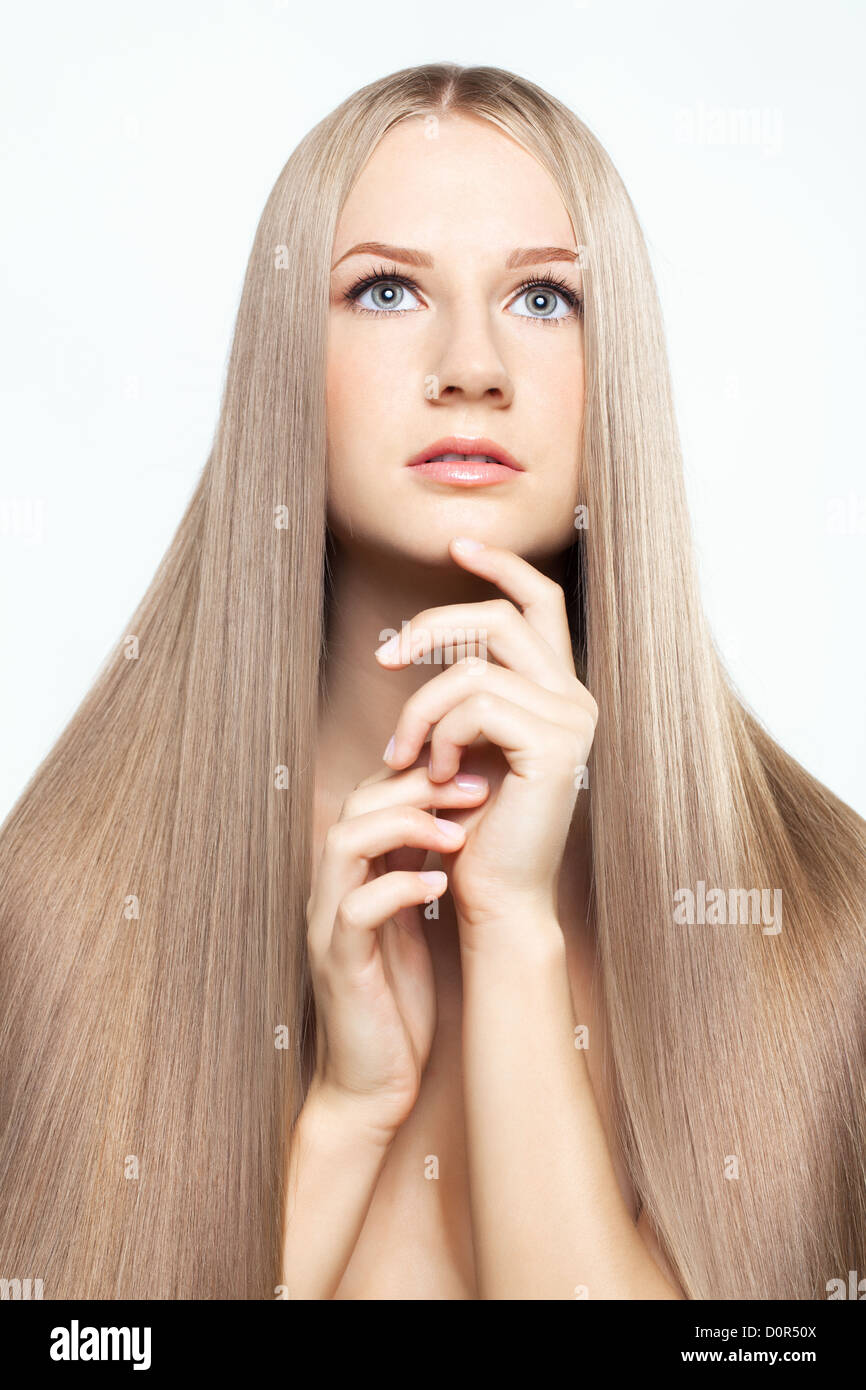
x=522 y=256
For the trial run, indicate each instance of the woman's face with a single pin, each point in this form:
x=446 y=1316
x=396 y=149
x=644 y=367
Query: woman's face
x=448 y=352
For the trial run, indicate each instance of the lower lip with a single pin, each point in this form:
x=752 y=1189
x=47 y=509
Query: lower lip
x=466 y=474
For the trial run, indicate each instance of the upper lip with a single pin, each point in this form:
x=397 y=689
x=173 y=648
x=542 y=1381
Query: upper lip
x=469 y=446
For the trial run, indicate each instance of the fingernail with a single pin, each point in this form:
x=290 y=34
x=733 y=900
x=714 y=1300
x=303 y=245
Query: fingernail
x=467 y=782
x=467 y=545
x=435 y=877
x=449 y=829
x=389 y=750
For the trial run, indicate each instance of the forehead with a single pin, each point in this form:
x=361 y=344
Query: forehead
x=455 y=181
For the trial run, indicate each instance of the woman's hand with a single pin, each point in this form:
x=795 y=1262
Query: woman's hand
x=532 y=706
x=371 y=969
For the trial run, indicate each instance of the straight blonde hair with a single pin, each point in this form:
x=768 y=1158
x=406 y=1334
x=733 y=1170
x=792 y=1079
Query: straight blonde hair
x=155 y=1002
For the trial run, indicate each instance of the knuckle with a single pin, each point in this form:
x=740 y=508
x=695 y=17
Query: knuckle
x=351 y=806
x=421 y=633
x=411 y=818
x=553 y=591
x=336 y=839
x=411 y=707
x=371 y=780
x=348 y=914
x=585 y=702
x=469 y=670
x=482 y=703
x=585 y=722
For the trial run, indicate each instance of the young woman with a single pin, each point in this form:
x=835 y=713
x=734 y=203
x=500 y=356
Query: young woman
x=255 y=1041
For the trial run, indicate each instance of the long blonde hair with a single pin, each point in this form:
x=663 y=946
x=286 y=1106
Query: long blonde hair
x=156 y=1022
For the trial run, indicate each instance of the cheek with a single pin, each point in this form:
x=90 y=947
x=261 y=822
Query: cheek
x=561 y=389
x=362 y=381
x=551 y=374
x=340 y=388
x=358 y=411
x=565 y=394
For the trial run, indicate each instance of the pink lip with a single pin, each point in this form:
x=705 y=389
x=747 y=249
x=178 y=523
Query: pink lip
x=466 y=474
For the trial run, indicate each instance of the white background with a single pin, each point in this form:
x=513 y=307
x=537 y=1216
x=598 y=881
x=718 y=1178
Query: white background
x=141 y=142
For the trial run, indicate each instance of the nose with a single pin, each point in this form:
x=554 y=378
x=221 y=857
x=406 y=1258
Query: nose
x=469 y=364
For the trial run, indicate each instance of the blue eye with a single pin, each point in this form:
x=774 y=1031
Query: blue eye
x=387 y=291
x=542 y=301
x=386 y=296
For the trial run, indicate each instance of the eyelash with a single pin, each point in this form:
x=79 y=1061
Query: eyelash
x=393 y=275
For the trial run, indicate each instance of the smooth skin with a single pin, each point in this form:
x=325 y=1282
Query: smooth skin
x=494 y=743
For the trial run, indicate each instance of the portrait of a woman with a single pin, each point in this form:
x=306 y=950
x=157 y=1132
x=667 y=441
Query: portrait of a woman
x=413 y=909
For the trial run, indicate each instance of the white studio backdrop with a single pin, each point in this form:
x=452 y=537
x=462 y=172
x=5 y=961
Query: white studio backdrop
x=141 y=143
